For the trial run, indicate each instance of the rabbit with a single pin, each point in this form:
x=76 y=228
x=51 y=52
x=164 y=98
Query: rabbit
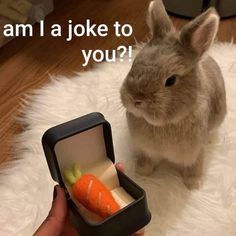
x=174 y=94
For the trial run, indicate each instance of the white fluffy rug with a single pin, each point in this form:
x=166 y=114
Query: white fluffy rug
x=26 y=186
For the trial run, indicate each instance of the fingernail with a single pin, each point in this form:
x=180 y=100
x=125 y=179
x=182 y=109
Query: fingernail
x=55 y=192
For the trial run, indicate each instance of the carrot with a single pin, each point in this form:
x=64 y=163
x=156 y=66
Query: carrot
x=91 y=192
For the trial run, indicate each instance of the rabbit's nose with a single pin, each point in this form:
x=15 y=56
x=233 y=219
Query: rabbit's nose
x=138 y=103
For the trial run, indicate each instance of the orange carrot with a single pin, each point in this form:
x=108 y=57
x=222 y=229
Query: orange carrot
x=91 y=193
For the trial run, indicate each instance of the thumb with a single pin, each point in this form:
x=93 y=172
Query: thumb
x=55 y=221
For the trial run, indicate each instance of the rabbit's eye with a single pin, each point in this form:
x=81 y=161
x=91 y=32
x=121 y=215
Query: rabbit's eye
x=170 y=81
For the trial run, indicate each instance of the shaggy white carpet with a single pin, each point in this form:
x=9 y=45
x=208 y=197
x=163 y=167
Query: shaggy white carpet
x=26 y=186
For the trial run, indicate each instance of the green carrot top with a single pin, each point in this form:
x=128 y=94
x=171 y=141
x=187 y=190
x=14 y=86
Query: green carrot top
x=73 y=174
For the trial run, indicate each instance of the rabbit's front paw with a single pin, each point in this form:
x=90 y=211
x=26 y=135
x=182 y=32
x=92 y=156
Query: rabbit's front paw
x=144 y=166
x=192 y=175
x=192 y=182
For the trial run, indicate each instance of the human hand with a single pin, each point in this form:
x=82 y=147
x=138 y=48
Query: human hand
x=57 y=222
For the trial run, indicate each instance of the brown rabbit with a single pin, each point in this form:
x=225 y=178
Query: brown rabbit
x=174 y=93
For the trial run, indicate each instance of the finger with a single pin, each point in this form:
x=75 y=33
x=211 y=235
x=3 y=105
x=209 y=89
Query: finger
x=120 y=167
x=54 y=223
x=139 y=233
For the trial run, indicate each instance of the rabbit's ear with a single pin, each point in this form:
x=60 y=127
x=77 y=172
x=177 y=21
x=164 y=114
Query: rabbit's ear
x=199 y=34
x=158 y=20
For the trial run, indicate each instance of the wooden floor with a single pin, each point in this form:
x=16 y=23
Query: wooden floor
x=26 y=62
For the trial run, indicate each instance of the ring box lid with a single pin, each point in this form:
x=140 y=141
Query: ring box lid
x=87 y=139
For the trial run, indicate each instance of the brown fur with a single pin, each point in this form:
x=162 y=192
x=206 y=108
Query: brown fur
x=173 y=123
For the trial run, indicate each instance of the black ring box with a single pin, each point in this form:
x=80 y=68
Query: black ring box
x=126 y=221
